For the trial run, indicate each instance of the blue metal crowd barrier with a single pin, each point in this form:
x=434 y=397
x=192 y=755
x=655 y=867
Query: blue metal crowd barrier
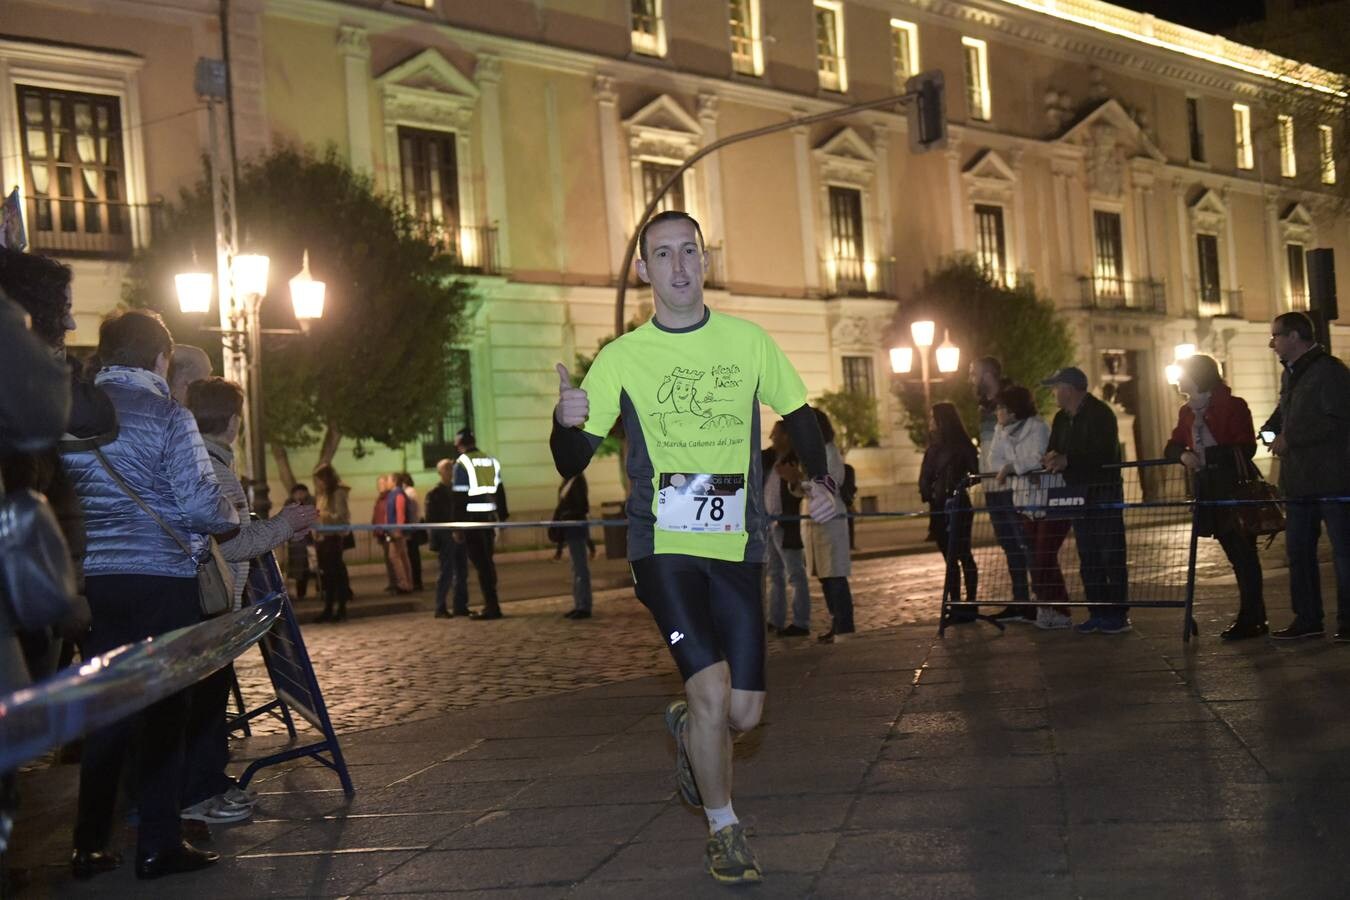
x=107 y=688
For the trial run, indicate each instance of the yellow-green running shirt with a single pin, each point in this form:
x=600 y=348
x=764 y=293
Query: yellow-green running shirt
x=689 y=401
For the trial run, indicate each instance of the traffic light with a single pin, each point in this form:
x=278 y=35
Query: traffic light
x=927 y=111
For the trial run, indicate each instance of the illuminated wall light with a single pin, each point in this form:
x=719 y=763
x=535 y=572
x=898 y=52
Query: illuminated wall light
x=902 y=360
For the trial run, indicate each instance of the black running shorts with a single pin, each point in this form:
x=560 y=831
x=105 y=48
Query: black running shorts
x=708 y=610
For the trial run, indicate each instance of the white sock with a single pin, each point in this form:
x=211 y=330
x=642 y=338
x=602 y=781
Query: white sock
x=720 y=817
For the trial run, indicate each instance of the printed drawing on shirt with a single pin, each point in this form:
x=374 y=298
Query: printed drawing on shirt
x=682 y=404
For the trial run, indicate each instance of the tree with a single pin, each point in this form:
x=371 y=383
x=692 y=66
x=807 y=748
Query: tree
x=1025 y=332
x=378 y=366
x=854 y=416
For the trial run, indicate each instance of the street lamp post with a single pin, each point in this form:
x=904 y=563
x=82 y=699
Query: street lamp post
x=923 y=333
x=242 y=338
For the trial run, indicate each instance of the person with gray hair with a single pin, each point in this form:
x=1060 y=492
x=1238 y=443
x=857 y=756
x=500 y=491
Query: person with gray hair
x=441 y=508
x=186 y=365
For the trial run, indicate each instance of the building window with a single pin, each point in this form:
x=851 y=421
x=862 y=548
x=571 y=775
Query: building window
x=655 y=174
x=1195 y=129
x=1298 y=276
x=1326 y=141
x=1207 y=258
x=905 y=41
x=858 y=378
x=439 y=441
x=73 y=169
x=430 y=177
x=846 y=240
x=1242 y=128
x=991 y=249
x=649 y=27
x=1288 y=162
x=747 y=49
x=977 y=78
x=830 y=64
x=1108 y=254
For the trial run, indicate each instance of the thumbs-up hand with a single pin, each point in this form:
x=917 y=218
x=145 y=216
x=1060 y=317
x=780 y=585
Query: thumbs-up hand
x=573 y=407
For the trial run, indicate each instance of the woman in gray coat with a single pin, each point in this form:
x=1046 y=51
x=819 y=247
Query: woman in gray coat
x=209 y=795
x=828 y=546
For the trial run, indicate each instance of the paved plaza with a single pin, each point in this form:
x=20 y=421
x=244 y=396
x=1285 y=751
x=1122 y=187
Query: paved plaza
x=527 y=758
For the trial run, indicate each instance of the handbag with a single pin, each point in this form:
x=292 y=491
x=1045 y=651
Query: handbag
x=215 y=582
x=37 y=581
x=1261 y=513
x=348 y=541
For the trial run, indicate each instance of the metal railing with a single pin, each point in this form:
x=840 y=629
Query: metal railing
x=846 y=277
x=1211 y=301
x=70 y=226
x=1144 y=295
x=473 y=247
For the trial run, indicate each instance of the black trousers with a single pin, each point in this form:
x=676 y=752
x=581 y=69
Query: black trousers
x=1241 y=552
x=333 y=580
x=415 y=563
x=128 y=608
x=208 y=739
x=478 y=546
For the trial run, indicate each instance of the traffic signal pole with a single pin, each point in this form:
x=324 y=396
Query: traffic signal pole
x=928 y=130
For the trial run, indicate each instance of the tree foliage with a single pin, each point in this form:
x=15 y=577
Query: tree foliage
x=378 y=366
x=1025 y=332
x=854 y=416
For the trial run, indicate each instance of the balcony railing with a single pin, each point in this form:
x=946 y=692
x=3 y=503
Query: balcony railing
x=473 y=247
x=859 y=277
x=1297 y=300
x=69 y=226
x=1209 y=302
x=1129 y=295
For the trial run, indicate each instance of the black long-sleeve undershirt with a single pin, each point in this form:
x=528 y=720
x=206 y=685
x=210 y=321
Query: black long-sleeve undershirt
x=573 y=448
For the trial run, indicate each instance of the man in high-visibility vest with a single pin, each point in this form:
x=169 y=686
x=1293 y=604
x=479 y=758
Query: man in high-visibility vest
x=479 y=496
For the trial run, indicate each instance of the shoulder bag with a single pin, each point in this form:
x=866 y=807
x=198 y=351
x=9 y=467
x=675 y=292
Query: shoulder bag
x=1262 y=512
x=215 y=584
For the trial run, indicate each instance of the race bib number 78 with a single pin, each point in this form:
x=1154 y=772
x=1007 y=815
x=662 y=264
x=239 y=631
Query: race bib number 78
x=700 y=502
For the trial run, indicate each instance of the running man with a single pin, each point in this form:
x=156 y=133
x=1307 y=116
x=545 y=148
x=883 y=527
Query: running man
x=687 y=385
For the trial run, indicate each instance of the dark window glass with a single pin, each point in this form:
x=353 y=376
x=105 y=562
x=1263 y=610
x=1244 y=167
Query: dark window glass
x=990 y=245
x=1108 y=254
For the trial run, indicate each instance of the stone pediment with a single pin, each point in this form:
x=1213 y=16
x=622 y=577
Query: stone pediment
x=846 y=157
x=663 y=129
x=431 y=72
x=1124 y=131
x=1297 y=216
x=989 y=177
x=1208 y=210
x=664 y=114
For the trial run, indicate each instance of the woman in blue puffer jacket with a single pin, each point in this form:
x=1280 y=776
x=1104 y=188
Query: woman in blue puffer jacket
x=140 y=583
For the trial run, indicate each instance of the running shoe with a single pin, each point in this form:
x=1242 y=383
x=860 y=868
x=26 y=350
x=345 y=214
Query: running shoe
x=214 y=812
x=1115 y=626
x=677 y=721
x=1049 y=620
x=729 y=859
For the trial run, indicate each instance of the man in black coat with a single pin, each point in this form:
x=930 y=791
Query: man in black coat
x=1085 y=448
x=1314 y=450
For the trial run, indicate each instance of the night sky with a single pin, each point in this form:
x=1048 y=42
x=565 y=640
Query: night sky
x=1206 y=15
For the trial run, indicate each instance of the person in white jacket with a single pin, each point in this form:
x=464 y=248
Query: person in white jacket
x=1019 y=444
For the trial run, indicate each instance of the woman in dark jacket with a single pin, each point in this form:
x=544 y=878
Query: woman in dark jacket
x=1215 y=440
x=948 y=463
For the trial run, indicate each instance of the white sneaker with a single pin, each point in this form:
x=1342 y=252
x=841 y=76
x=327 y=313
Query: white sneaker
x=214 y=812
x=1049 y=620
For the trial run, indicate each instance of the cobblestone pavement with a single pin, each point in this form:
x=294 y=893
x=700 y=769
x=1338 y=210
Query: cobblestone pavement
x=388 y=670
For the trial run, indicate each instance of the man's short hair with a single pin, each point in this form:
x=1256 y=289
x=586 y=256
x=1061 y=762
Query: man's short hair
x=670 y=215
x=213 y=401
x=466 y=437
x=990 y=364
x=135 y=338
x=38 y=284
x=1297 y=323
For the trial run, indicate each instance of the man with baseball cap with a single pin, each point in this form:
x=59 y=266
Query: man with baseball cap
x=1085 y=448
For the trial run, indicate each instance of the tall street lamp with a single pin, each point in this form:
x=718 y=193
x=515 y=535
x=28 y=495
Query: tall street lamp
x=948 y=356
x=242 y=335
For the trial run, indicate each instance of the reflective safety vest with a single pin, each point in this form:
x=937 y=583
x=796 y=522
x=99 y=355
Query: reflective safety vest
x=485 y=474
